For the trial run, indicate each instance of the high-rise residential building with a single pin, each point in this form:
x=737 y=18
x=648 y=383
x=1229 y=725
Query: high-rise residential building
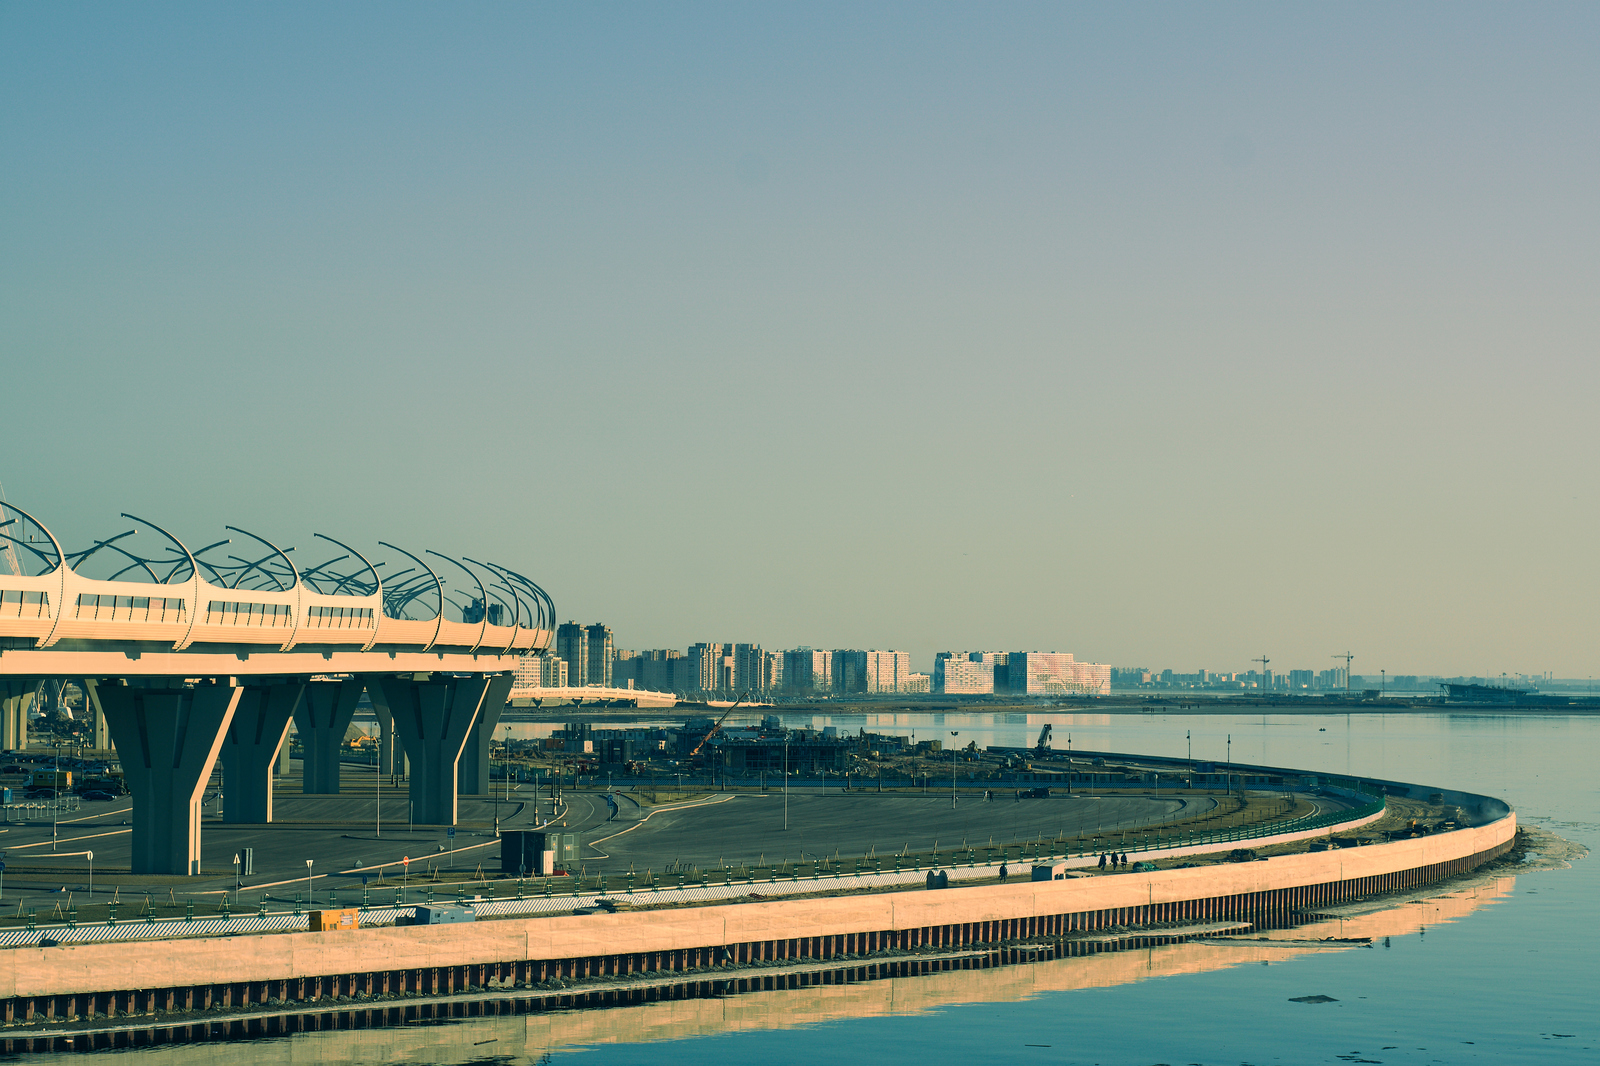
x=1332 y=680
x=529 y=672
x=655 y=669
x=1000 y=661
x=540 y=670
x=917 y=683
x=685 y=676
x=1055 y=673
x=710 y=665
x=1300 y=679
x=572 y=645
x=887 y=671
x=773 y=671
x=806 y=670
x=849 y=672
x=750 y=671
x=961 y=673
x=597 y=656
x=473 y=613
x=625 y=669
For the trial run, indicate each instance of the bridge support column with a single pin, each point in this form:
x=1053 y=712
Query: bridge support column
x=16 y=700
x=432 y=718
x=322 y=720
x=101 y=736
x=391 y=754
x=250 y=746
x=472 y=777
x=167 y=741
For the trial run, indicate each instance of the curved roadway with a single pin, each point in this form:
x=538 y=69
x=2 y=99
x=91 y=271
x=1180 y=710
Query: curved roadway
x=740 y=827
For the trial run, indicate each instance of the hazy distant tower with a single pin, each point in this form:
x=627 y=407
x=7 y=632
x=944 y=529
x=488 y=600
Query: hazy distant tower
x=598 y=661
x=572 y=646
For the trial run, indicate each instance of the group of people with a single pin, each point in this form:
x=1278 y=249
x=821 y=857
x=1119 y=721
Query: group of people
x=1113 y=859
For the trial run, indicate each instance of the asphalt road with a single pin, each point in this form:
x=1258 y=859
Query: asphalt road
x=743 y=827
x=337 y=833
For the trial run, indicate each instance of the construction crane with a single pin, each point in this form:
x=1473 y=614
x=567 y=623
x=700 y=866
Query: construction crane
x=8 y=551
x=1346 y=657
x=1042 y=745
x=1263 y=660
x=718 y=726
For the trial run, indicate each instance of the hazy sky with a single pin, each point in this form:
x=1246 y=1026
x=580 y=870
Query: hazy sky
x=1168 y=335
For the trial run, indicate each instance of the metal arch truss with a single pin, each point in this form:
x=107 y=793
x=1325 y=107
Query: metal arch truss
x=246 y=595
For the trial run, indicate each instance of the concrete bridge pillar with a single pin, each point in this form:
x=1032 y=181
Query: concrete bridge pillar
x=433 y=714
x=472 y=778
x=16 y=700
x=91 y=697
x=391 y=753
x=322 y=719
x=250 y=747
x=167 y=740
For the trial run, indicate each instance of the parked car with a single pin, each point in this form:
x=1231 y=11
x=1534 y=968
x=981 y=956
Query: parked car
x=13 y=769
x=96 y=796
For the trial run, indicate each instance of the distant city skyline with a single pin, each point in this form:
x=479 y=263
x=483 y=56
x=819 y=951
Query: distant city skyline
x=737 y=668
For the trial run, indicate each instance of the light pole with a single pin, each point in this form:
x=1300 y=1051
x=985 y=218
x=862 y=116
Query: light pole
x=55 y=798
x=786 y=781
x=308 y=882
x=90 y=856
x=238 y=882
x=954 y=733
x=379 y=829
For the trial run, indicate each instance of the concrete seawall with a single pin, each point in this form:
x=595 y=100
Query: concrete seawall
x=176 y=975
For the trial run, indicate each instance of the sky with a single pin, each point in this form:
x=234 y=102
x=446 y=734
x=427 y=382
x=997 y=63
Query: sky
x=1167 y=335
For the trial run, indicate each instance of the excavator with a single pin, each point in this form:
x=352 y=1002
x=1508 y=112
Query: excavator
x=1041 y=747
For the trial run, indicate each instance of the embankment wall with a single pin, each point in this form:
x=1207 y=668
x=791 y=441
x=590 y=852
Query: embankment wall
x=173 y=975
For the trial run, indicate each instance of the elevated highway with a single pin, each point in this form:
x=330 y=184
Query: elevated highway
x=187 y=656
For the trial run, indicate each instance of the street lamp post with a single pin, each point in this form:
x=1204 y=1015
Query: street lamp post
x=308 y=881
x=90 y=856
x=954 y=733
x=55 y=798
x=786 y=781
x=238 y=882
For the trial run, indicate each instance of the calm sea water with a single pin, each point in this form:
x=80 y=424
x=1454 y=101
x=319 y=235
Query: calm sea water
x=1515 y=980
